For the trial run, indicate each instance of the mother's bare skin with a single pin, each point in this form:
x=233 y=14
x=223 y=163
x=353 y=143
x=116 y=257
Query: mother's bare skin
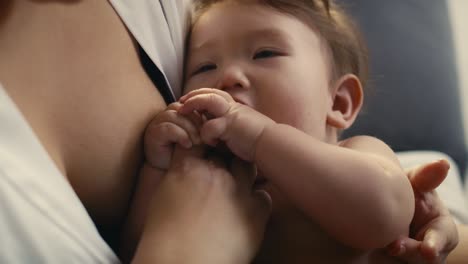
x=68 y=65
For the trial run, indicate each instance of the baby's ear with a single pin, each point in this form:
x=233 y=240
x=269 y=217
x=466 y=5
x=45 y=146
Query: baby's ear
x=347 y=97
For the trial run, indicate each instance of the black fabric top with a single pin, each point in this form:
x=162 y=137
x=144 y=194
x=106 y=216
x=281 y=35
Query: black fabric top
x=156 y=77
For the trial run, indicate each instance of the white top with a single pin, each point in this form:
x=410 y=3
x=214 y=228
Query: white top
x=160 y=27
x=41 y=218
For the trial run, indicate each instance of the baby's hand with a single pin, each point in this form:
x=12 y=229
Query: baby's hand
x=167 y=129
x=433 y=232
x=238 y=125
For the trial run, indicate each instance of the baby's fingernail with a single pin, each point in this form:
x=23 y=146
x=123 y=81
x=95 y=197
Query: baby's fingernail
x=182 y=99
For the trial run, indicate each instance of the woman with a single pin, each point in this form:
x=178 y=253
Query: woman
x=71 y=141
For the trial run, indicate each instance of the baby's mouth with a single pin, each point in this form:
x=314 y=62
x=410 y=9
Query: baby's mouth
x=240 y=101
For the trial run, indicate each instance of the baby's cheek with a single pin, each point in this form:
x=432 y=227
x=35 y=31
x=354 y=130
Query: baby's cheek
x=282 y=113
x=186 y=90
x=207 y=80
x=190 y=85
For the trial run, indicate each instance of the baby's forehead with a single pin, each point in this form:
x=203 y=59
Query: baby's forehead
x=272 y=25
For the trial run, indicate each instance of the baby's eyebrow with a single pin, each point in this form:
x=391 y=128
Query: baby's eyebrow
x=205 y=45
x=269 y=33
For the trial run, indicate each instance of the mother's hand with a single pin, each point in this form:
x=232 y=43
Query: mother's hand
x=433 y=232
x=203 y=213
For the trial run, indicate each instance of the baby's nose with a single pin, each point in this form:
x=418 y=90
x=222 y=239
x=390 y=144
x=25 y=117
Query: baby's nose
x=233 y=78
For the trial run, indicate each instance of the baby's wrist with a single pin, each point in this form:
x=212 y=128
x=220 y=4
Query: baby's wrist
x=258 y=141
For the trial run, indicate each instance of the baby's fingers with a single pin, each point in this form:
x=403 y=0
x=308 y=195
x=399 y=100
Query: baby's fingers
x=174 y=106
x=158 y=150
x=213 y=130
x=213 y=104
x=221 y=93
x=190 y=125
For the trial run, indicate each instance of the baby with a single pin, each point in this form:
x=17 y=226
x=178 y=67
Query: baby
x=284 y=79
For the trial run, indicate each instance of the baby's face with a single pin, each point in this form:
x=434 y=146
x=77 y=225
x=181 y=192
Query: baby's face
x=265 y=59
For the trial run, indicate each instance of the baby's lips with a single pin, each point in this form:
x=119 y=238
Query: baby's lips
x=244 y=100
x=239 y=101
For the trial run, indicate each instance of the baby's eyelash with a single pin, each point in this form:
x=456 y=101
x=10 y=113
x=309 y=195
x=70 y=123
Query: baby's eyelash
x=204 y=68
x=266 y=53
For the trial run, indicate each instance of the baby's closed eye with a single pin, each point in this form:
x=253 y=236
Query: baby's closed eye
x=204 y=68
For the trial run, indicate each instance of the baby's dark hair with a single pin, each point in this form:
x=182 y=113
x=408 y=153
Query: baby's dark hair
x=329 y=20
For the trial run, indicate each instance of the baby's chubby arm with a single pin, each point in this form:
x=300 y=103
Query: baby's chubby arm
x=238 y=126
x=356 y=191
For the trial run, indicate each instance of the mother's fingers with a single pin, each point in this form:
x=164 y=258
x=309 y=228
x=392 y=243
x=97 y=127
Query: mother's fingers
x=427 y=177
x=433 y=245
x=440 y=239
x=406 y=249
